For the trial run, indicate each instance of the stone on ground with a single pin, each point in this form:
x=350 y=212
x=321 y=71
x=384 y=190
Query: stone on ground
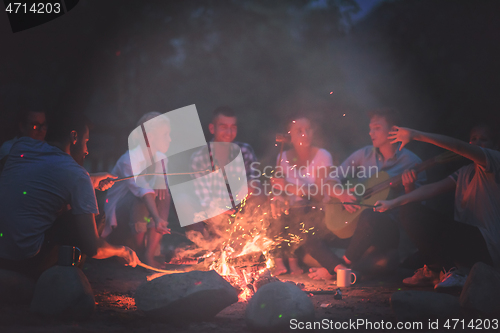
x=64 y=292
x=411 y=305
x=481 y=292
x=15 y=288
x=191 y=296
x=275 y=304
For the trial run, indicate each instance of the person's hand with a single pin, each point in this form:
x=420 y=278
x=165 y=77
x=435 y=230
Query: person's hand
x=279 y=205
x=349 y=198
x=161 y=194
x=230 y=211
x=130 y=257
x=102 y=180
x=162 y=226
x=384 y=205
x=401 y=134
x=409 y=178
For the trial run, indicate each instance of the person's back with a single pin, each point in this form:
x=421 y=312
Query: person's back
x=32 y=123
x=37 y=183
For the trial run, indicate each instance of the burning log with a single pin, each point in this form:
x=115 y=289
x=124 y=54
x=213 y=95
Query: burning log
x=248 y=260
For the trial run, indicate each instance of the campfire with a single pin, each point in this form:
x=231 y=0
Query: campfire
x=239 y=247
x=242 y=258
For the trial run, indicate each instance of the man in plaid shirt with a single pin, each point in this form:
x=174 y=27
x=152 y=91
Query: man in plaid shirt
x=224 y=129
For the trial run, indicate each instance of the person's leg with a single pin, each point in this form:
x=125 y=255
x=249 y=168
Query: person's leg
x=465 y=245
x=319 y=248
x=153 y=237
x=35 y=266
x=439 y=239
x=139 y=222
x=373 y=229
x=429 y=231
x=276 y=230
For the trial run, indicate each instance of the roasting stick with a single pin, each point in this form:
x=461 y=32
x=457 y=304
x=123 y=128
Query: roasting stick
x=157 y=269
x=343 y=203
x=159 y=174
x=354 y=204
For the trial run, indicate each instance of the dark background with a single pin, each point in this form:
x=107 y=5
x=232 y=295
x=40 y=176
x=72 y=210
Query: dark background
x=434 y=60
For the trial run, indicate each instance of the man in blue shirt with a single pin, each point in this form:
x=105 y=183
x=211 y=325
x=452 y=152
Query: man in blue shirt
x=47 y=199
x=33 y=124
x=380 y=230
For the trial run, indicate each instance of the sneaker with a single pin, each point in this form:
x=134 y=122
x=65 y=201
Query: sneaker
x=451 y=280
x=423 y=277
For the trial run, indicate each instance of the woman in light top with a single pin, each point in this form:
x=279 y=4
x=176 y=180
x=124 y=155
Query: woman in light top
x=298 y=181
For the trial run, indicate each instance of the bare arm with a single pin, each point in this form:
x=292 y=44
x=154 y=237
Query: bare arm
x=150 y=202
x=96 y=247
x=472 y=152
x=420 y=194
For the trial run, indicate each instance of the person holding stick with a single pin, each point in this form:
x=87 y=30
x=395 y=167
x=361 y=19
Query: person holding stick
x=379 y=231
x=141 y=209
x=47 y=199
x=224 y=128
x=474 y=234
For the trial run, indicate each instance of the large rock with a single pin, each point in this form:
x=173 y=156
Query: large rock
x=191 y=296
x=15 y=288
x=65 y=292
x=481 y=292
x=418 y=305
x=275 y=304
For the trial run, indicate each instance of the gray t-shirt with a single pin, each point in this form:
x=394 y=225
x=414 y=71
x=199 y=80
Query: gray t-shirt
x=477 y=199
x=38 y=180
x=6 y=146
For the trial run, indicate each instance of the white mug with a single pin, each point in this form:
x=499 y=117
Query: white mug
x=344 y=277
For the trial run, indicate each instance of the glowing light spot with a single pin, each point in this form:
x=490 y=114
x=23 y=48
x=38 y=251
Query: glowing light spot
x=24 y=192
x=148 y=220
x=262 y=305
x=118 y=53
x=293 y=121
x=399 y=288
x=346 y=222
x=331 y=92
x=22 y=155
x=107 y=200
x=280 y=316
x=343 y=115
x=1 y=234
x=197 y=283
x=276 y=144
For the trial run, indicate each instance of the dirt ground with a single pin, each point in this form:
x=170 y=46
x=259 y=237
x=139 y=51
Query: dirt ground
x=114 y=286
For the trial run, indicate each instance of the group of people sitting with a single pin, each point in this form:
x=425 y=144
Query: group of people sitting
x=443 y=243
x=47 y=198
